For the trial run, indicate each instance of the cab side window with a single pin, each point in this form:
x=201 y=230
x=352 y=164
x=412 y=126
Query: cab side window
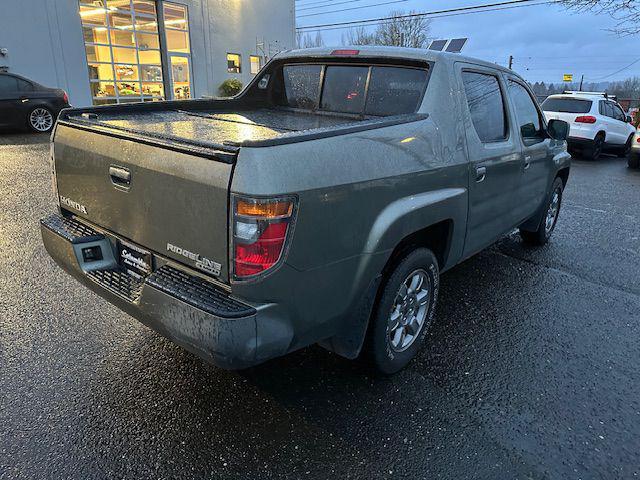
x=527 y=115
x=486 y=106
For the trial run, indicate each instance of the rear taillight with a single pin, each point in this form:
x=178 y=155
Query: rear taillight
x=586 y=119
x=65 y=97
x=260 y=231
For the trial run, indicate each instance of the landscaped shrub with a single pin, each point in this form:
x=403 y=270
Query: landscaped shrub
x=230 y=87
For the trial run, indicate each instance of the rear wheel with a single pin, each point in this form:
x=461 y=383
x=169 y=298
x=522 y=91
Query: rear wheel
x=633 y=161
x=595 y=150
x=548 y=223
x=404 y=312
x=40 y=119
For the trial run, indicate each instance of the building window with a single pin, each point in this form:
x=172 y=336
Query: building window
x=256 y=64
x=176 y=23
x=234 y=63
x=123 y=50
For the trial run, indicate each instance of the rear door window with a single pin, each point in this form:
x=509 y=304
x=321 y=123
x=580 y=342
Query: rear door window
x=24 y=86
x=486 y=106
x=344 y=89
x=8 y=84
x=567 y=105
x=608 y=109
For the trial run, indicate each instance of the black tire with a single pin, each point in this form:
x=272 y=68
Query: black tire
x=594 y=151
x=40 y=119
x=626 y=150
x=547 y=225
x=633 y=161
x=380 y=349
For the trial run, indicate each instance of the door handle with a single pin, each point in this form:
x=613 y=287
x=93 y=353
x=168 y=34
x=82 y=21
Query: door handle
x=527 y=162
x=481 y=174
x=120 y=177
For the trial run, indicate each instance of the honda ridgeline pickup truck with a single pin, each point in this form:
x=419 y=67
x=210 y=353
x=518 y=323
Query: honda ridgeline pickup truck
x=320 y=205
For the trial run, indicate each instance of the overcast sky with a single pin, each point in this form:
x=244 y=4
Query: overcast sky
x=545 y=40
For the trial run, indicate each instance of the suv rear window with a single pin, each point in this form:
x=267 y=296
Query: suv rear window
x=567 y=105
x=354 y=89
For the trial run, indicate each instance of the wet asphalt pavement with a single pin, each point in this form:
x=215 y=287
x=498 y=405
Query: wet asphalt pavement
x=531 y=369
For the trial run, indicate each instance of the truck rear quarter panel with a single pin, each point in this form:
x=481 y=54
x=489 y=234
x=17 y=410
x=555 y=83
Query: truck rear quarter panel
x=359 y=196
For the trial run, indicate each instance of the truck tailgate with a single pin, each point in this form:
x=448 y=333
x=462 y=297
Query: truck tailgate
x=168 y=201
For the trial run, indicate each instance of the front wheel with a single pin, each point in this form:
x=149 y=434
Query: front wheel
x=404 y=311
x=595 y=150
x=626 y=150
x=548 y=223
x=40 y=119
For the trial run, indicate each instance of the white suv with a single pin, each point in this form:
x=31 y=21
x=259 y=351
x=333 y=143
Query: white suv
x=597 y=123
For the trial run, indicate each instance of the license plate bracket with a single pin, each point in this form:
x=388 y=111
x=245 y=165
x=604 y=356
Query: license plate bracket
x=135 y=260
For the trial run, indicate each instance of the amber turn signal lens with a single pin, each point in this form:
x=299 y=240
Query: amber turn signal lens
x=267 y=209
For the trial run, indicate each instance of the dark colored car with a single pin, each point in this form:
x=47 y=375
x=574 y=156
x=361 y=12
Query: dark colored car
x=25 y=103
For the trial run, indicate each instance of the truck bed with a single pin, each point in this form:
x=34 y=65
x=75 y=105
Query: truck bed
x=215 y=127
x=223 y=125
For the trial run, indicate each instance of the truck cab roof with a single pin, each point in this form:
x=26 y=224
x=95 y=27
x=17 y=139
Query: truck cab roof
x=368 y=51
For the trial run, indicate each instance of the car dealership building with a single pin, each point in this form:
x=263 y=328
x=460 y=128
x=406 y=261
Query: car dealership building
x=118 y=51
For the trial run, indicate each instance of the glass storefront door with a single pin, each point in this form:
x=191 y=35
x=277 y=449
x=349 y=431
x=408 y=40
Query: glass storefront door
x=180 y=77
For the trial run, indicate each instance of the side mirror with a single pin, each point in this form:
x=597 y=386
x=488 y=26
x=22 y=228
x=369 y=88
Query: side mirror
x=629 y=119
x=558 y=129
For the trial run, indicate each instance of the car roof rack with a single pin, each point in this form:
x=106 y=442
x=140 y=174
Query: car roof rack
x=600 y=94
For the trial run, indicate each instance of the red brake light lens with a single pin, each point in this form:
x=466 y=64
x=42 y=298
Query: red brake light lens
x=260 y=231
x=586 y=119
x=65 y=97
x=345 y=52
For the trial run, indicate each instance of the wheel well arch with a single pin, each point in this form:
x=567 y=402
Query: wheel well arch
x=435 y=237
x=602 y=133
x=563 y=175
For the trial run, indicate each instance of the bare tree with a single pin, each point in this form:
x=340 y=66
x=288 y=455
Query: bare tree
x=403 y=30
x=626 y=13
x=305 y=40
x=358 y=36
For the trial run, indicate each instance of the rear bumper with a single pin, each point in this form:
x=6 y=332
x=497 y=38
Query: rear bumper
x=188 y=310
x=578 y=142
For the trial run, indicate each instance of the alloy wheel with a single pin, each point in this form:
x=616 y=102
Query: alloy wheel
x=41 y=120
x=409 y=311
x=552 y=212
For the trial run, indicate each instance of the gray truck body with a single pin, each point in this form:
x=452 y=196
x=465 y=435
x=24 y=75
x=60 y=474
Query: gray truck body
x=365 y=188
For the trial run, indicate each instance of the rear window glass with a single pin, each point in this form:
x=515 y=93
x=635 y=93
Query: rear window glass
x=567 y=105
x=302 y=85
x=394 y=90
x=343 y=88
